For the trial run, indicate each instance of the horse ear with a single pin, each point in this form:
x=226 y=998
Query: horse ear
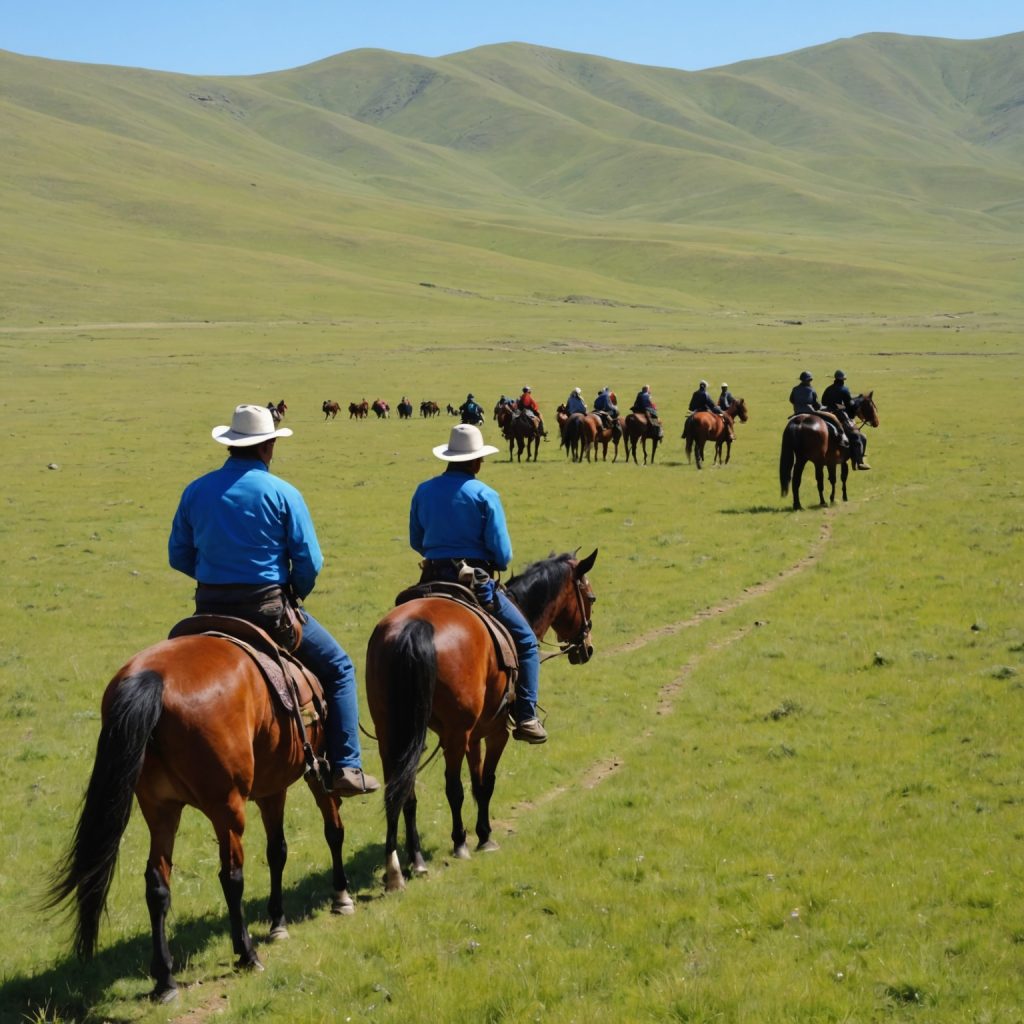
x=582 y=568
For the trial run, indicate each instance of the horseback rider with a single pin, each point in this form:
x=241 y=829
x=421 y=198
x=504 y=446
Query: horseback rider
x=701 y=401
x=247 y=538
x=725 y=398
x=644 y=405
x=803 y=397
x=605 y=403
x=470 y=412
x=455 y=517
x=837 y=399
x=528 y=407
x=574 y=403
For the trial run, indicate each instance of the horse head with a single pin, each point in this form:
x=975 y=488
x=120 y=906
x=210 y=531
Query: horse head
x=738 y=409
x=866 y=409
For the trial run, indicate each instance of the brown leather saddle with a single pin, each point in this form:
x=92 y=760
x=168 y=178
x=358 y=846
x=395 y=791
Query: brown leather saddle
x=504 y=645
x=298 y=690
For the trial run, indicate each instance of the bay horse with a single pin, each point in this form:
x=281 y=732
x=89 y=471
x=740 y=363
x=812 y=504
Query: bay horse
x=358 y=410
x=190 y=722
x=277 y=411
x=380 y=408
x=521 y=431
x=431 y=664
x=808 y=439
x=330 y=410
x=638 y=427
x=579 y=436
x=609 y=431
x=704 y=426
x=429 y=409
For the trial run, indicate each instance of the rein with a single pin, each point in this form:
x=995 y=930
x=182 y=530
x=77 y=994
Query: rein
x=578 y=642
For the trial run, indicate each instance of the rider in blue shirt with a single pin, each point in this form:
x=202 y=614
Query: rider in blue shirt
x=455 y=517
x=574 y=403
x=803 y=397
x=247 y=539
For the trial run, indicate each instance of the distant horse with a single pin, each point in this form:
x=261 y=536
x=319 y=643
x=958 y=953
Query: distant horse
x=638 y=427
x=405 y=410
x=330 y=410
x=380 y=408
x=702 y=427
x=808 y=439
x=451 y=410
x=609 y=431
x=358 y=410
x=521 y=431
x=430 y=663
x=579 y=436
x=277 y=411
x=429 y=409
x=191 y=722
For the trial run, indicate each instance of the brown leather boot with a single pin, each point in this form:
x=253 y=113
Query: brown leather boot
x=529 y=730
x=352 y=782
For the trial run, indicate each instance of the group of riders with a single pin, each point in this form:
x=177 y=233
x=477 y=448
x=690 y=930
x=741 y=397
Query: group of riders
x=837 y=408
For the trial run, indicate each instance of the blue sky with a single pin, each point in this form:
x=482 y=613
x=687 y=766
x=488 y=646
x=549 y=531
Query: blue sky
x=226 y=37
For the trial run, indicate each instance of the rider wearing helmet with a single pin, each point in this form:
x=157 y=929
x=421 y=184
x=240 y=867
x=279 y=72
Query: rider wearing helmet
x=701 y=401
x=528 y=406
x=803 y=397
x=574 y=403
x=837 y=399
x=470 y=412
x=605 y=402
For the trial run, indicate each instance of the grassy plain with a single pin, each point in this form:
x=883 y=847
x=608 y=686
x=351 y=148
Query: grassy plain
x=788 y=788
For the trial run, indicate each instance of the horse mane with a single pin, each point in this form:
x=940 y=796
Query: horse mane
x=538 y=584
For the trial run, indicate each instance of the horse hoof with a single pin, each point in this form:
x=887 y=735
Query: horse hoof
x=249 y=963
x=461 y=852
x=278 y=933
x=394 y=884
x=419 y=869
x=342 y=904
x=489 y=847
x=164 y=995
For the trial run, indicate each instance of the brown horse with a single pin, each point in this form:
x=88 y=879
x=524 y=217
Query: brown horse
x=330 y=410
x=277 y=411
x=608 y=431
x=807 y=438
x=190 y=722
x=429 y=409
x=521 y=431
x=702 y=427
x=430 y=663
x=380 y=408
x=358 y=410
x=639 y=428
x=579 y=436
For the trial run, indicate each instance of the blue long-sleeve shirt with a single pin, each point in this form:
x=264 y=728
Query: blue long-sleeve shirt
x=454 y=515
x=242 y=524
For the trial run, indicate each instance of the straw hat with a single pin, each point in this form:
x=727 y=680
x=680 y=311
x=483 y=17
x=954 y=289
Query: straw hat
x=251 y=424
x=465 y=443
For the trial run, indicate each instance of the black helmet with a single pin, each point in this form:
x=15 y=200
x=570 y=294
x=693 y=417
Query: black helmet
x=806 y=377
x=469 y=397
x=839 y=375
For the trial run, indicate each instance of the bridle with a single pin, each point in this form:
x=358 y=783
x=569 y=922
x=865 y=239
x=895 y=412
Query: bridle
x=579 y=649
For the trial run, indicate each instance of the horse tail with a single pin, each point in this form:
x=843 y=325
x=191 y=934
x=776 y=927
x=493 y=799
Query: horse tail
x=688 y=436
x=411 y=677
x=87 y=868
x=786 y=459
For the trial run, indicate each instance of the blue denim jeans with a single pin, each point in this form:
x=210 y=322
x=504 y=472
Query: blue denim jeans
x=529 y=656
x=324 y=656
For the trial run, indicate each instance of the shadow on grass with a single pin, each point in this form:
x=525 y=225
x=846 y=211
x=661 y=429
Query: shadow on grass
x=758 y=510
x=70 y=989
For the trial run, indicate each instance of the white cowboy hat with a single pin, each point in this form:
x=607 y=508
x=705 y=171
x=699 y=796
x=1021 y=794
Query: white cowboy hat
x=251 y=424
x=576 y=391
x=703 y=384
x=725 y=387
x=465 y=443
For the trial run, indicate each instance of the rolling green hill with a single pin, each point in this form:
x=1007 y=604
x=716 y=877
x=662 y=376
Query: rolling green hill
x=876 y=173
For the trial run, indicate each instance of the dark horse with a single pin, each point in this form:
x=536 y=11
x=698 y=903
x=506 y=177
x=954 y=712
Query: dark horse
x=358 y=410
x=190 y=722
x=277 y=411
x=430 y=663
x=405 y=410
x=380 y=408
x=330 y=410
x=520 y=430
x=702 y=427
x=807 y=438
x=639 y=428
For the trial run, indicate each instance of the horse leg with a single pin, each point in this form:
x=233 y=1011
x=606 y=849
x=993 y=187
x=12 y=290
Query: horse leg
x=272 y=812
x=163 y=826
x=453 y=755
x=413 y=848
x=844 y=474
x=798 y=472
x=728 y=451
x=229 y=824
x=819 y=478
x=482 y=778
x=698 y=452
x=334 y=834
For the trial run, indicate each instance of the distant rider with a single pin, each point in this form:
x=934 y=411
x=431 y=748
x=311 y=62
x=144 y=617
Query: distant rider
x=605 y=402
x=529 y=408
x=701 y=401
x=803 y=397
x=574 y=403
x=470 y=412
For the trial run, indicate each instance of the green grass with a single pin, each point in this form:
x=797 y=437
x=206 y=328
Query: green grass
x=809 y=803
